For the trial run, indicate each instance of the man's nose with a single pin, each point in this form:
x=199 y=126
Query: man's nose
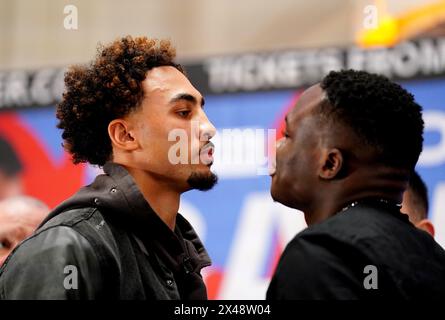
x=206 y=128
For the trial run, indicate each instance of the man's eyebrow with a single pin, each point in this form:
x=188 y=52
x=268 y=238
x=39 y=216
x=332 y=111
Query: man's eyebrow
x=186 y=97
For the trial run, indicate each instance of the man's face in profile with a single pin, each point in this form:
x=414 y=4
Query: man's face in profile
x=297 y=155
x=170 y=105
x=416 y=212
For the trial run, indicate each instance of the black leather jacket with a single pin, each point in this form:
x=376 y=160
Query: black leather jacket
x=106 y=243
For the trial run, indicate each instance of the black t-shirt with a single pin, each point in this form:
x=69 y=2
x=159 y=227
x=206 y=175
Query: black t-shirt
x=369 y=251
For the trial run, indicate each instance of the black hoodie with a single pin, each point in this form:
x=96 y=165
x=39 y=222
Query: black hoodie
x=106 y=242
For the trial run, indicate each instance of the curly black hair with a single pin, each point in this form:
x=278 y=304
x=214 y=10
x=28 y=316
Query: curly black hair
x=382 y=114
x=108 y=88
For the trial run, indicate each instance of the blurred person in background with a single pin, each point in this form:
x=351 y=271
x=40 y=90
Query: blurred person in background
x=122 y=236
x=350 y=145
x=19 y=217
x=415 y=204
x=10 y=170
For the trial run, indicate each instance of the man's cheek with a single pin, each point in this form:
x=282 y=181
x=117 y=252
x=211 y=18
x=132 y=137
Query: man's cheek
x=5 y=249
x=3 y=256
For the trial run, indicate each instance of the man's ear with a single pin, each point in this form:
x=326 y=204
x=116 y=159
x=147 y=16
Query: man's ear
x=121 y=136
x=426 y=225
x=331 y=163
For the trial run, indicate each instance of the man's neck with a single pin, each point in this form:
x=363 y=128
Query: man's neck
x=161 y=197
x=329 y=207
x=320 y=212
x=331 y=201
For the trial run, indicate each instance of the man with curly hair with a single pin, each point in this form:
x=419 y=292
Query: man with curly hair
x=122 y=236
x=349 y=148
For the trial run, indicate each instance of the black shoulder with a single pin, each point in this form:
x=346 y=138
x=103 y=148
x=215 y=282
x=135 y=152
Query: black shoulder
x=56 y=263
x=76 y=245
x=91 y=224
x=316 y=266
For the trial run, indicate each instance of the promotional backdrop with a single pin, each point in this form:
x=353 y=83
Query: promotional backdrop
x=242 y=228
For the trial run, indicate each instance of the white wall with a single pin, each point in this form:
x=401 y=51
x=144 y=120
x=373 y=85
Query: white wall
x=32 y=33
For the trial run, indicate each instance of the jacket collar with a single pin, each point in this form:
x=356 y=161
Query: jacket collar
x=182 y=247
x=117 y=196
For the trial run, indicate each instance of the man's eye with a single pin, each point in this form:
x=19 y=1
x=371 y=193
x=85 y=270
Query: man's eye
x=4 y=244
x=183 y=113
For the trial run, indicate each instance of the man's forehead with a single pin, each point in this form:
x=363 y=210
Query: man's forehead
x=167 y=79
x=308 y=100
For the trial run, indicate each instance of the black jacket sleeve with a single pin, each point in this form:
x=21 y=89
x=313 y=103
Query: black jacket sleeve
x=312 y=269
x=56 y=263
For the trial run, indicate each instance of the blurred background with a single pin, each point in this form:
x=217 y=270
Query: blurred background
x=251 y=59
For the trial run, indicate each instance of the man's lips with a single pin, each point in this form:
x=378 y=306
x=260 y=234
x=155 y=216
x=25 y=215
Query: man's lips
x=206 y=153
x=272 y=168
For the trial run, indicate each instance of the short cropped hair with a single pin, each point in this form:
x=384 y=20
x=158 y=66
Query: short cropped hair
x=382 y=114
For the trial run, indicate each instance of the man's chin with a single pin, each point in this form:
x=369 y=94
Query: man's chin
x=202 y=180
x=273 y=188
x=273 y=193
x=278 y=194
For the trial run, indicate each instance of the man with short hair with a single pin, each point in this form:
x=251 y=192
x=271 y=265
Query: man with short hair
x=19 y=217
x=122 y=236
x=349 y=147
x=415 y=204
